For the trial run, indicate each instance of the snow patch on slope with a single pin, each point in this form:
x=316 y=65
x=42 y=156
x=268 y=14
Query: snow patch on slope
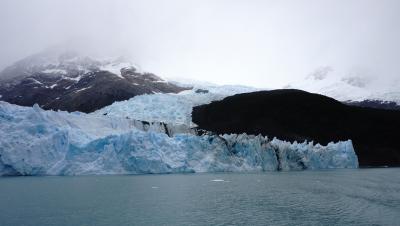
x=55 y=71
x=115 y=68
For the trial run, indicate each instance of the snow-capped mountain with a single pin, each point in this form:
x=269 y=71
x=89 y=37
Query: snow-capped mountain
x=350 y=87
x=73 y=82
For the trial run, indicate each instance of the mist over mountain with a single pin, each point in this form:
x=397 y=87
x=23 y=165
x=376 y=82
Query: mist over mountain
x=352 y=86
x=257 y=43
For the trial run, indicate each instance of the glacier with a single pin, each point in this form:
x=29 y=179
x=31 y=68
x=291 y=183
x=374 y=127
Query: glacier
x=38 y=142
x=170 y=107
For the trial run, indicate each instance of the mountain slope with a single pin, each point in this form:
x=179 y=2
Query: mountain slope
x=68 y=81
x=296 y=115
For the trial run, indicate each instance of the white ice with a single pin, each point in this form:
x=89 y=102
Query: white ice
x=170 y=108
x=38 y=142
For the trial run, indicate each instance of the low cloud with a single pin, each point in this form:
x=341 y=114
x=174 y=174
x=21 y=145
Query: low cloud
x=259 y=43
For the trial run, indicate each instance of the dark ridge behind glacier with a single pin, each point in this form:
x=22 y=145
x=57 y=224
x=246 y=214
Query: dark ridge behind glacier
x=296 y=115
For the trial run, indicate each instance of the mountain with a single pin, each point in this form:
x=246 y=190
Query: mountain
x=380 y=104
x=73 y=82
x=296 y=115
x=351 y=88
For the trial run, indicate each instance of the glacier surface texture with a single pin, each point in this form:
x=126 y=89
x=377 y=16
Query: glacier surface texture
x=170 y=107
x=38 y=142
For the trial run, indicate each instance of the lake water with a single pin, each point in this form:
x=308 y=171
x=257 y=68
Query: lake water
x=336 y=197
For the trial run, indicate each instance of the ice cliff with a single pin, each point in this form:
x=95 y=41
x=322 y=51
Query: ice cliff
x=38 y=142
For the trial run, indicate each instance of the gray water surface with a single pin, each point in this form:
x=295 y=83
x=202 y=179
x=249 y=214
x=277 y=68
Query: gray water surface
x=337 y=197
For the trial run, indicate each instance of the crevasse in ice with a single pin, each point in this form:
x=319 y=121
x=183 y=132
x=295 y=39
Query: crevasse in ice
x=38 y=142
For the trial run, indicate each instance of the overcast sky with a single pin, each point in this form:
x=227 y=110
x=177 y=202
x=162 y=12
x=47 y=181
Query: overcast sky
x=260 y=43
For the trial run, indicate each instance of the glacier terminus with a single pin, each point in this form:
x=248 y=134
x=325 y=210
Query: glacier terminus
x=38 y=142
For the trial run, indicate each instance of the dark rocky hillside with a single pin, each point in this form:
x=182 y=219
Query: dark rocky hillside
x=296 y=115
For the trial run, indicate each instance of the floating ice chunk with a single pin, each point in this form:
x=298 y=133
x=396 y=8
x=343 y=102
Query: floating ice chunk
x=218 y=180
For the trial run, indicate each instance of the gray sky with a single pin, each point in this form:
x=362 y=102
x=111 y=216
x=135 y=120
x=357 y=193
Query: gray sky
x=264 y=43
